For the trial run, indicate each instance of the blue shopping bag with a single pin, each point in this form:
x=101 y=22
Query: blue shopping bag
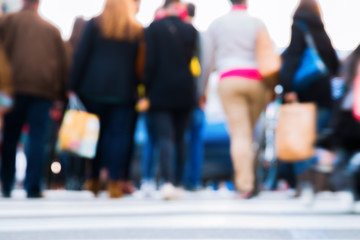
x=312 y=67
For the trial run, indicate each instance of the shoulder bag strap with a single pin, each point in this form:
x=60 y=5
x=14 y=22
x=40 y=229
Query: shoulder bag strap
x=308 y=37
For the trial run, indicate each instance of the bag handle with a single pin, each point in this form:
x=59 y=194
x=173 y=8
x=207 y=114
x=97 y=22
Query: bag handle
x=75 y=103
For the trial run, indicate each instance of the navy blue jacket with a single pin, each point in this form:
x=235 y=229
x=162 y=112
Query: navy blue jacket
x=104 y=69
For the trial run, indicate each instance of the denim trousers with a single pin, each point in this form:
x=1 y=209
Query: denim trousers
x=35 y=112
x=115 y=140
x=167 y=129
x=195 y=153
x=149 y=152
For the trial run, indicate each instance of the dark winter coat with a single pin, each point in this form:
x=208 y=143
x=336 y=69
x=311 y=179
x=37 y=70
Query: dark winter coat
x=170 y=44
x=320 y=91
x=104 y=69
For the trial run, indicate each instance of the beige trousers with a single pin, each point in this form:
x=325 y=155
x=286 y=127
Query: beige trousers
x=243 y=101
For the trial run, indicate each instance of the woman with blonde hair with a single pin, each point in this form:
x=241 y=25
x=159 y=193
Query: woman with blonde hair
x=107 y=67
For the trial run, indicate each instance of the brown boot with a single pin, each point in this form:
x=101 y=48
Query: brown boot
x=127 y=187
x=113 y=188
x=92 y=185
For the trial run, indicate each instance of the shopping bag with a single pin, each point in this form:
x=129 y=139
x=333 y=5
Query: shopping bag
x=312 y=67
x=295 y=132
x=269 y=61
x=79 y=130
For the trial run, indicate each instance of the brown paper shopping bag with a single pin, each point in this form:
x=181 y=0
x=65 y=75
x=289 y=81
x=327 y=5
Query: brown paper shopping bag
x=296 y=132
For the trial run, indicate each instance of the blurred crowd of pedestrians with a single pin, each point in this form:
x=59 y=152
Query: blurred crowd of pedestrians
x=122 y=71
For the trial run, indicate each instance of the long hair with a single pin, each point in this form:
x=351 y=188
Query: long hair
x=117 y=21
x=310 y=6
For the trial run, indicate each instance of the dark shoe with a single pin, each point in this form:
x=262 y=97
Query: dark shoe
x=6 y=194
x=6 y=190
x=127 y=187
x=34 y=195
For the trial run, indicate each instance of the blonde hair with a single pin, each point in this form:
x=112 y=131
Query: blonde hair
x=117 y=21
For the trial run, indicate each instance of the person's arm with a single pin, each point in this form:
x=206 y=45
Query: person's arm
x=207 y=60
x=291 y=60
x=81 y=57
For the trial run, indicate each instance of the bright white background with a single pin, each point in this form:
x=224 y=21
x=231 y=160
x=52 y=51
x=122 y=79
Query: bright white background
x=341 y=17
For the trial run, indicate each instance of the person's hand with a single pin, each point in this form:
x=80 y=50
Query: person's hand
x=202 y=101
x=291 y=97
x=142 y=105
x=70 y=94
x=4 y=110
x=56 y=112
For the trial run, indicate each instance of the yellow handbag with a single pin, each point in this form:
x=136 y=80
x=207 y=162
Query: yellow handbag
x=79 y=130
x=195 y=67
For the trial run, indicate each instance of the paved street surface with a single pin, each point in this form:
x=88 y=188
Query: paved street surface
x=201 y=215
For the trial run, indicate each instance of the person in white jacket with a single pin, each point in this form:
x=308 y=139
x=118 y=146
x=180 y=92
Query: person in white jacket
x=230 y=48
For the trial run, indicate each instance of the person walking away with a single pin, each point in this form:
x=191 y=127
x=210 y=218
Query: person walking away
x=38 y=60
x=231 y=48
x=105 y=77
x=171 y=91
x=308 y=13
x=149 y=152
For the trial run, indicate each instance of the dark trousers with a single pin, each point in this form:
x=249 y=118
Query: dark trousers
x=195 y=157
x=116 y=136
x=126 y=172
x=35 y=112
x=168 y=129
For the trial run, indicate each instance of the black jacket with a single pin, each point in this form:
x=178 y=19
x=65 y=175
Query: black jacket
x=170 y=44
x=104 y=69
x=320 y=91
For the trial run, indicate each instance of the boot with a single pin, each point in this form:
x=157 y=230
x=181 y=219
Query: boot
x=113 y=189
x=93 y=185
x=127 y=187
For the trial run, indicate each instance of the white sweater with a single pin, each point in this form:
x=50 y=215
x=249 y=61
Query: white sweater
x=229 y=43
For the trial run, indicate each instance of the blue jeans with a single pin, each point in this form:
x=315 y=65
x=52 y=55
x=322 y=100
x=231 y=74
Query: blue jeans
x=194 y=162
x=148 y=158
x=116 y=134
x=35 y=112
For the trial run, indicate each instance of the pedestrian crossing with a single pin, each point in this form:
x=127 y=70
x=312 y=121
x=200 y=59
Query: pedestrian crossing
x=201 y=215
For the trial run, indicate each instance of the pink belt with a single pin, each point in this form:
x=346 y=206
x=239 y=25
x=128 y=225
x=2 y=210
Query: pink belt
x=251 y=74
